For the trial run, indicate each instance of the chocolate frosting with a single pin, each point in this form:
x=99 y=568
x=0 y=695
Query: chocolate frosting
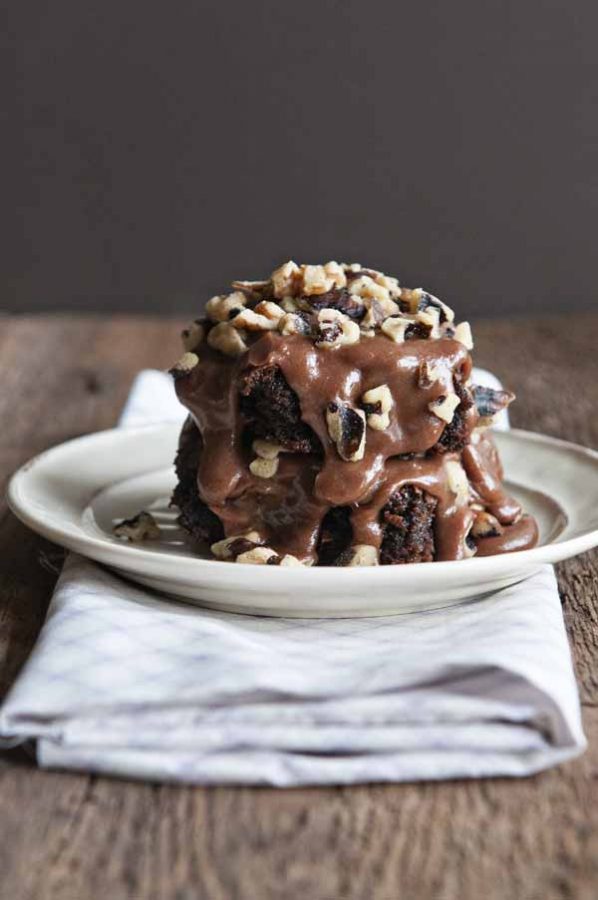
x=288 y=510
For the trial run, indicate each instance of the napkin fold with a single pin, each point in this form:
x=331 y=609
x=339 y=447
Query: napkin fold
x=123 y=682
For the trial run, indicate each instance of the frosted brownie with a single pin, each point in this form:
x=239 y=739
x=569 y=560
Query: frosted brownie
x=333 y=421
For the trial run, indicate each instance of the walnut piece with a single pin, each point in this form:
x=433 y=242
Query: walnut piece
x=395 y=327
x=222 y=307
x=334 y=329
x=486 y=525
x=360 y=555
x=227 y=339
x=457 y=481
x=193 y=335
x=224 y=549
x=257 y=556
x=346 y=427
x=377 y=403
x=142 y=527
x=444 y=407
x=264 y=468
x=463 y=335
x=186 y=364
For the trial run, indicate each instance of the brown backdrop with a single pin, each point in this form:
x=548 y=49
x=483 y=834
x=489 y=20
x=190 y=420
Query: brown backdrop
x=154 y=150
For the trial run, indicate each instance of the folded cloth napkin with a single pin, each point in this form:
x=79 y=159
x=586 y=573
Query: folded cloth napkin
x=123 y=682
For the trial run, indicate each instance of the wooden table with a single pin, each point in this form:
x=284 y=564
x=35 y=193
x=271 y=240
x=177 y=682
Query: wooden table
x=78 y=836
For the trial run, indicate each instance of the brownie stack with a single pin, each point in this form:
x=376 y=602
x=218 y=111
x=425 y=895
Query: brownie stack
x=333 y=421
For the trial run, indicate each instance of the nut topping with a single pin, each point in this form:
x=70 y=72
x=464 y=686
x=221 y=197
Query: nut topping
x=269 y=310
x=463 y=335
x=225 y=549
x=290 y=560
x=366 y=287
x=289 y=304
x=410 y=300
x=321 y=279
x=285 y=280
x=457 y=480
x=372 y=302
x=257 y=556
x=359 y=555
x=224 y=306
x=253 y=321
x=252 y=289
x=293 y=323
x=334 y=329
x=395 y=327
x=186 y=364
x=490 y=403
x=193 y=335
x=486 y=525
x=428 y=302
x=377 y=403
x=227 y=339
x=427 y=375
x=339 y=299
x=266 y=449
x=346 y=427
x=430 y=318
x=444 y=407
x=142 y=527
x=264 y=468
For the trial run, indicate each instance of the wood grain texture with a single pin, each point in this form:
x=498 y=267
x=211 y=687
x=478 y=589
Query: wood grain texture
x=66 y=836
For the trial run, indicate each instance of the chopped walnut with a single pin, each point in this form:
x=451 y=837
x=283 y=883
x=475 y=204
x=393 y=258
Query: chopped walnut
x=430 y=318
x=289 y=305
x=457 y=481
x=186 y=364
x=444 y=407
x=410 y=300
x=252 y=321
x=142 y=527
x=289 y=560
x=227 y=339
x=429 y=302
x=361 y=555
x=346 y=427
x=490 y=402
x=225 y=549
x=395 y=328
x=257 y=556
x=293 y=323
x=366 y=287
x=193 y=335
x=334 y=329
x=315 y=280
x=486 y=525
x=264 y=468
x=286 y=280
x=253 y=289
x=269 y=310
x=463 y=335
x=377 y=403
x=391 y=284
x=222 y=307
x=266 y=449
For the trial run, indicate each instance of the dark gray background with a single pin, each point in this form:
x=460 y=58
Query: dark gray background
x=153 y=151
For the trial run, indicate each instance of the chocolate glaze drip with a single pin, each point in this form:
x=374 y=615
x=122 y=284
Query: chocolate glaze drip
x=288 y=509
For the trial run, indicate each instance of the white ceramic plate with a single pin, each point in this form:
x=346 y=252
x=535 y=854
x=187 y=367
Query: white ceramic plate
x=74 y=493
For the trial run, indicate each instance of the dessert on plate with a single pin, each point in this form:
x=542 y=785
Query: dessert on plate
x=333 y=421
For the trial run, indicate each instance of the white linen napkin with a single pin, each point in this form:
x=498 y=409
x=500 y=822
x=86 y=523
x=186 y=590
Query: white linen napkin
x=122 y=682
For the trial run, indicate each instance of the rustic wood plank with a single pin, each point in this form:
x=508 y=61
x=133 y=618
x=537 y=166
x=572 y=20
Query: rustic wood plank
x=73 y=836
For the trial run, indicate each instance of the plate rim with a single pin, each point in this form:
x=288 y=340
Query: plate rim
x=83 y=542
